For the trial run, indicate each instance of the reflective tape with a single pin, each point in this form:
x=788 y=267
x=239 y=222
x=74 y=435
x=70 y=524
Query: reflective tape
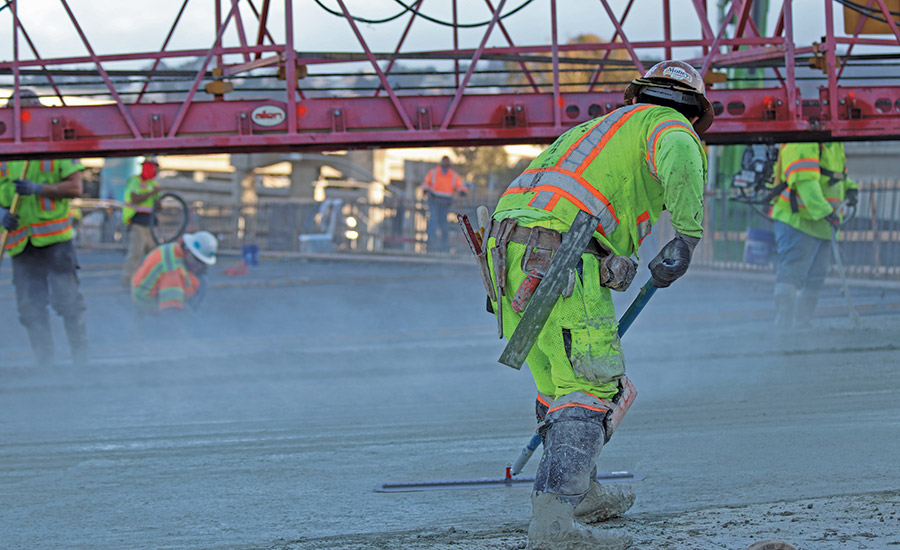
x=51 y=228
x=643 y=226
x=582 y=195
x=801 y=165
x=592 y=142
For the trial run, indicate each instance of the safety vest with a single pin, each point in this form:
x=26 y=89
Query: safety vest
x=443 y=184
x=137 y=185
x=163 y=281
x=816 y=178
x=609 y=167
x=42 y=220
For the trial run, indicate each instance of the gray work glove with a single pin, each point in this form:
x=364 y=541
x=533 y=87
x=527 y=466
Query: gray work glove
x=672 y=261
x=8 y=220
x=851 y=197
x=834 y=219
x=28 y=187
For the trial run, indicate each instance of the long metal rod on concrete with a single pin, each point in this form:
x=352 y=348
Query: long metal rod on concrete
x=854 y=315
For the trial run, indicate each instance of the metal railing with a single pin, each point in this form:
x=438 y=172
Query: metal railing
x=870 y=242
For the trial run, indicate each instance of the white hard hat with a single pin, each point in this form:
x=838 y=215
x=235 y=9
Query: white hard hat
x=203 y=245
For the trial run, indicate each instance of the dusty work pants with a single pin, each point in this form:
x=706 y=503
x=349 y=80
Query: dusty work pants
x=47 y=276
x=802 y=260
x=140 y=243
x=578 y=350
x=438 y=208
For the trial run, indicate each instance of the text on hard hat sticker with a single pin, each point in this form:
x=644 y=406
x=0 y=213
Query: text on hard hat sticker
x=267 y=115
x=677 y=73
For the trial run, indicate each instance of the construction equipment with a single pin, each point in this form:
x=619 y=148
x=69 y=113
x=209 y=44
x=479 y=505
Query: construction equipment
x=12 y=210
x=854 y=315
x=647 y=291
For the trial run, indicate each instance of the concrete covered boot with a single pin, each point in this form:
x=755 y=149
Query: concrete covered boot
x=572 y=444
x=604 y=501
x=76 y=332
x=806 y=308
x=785 y=305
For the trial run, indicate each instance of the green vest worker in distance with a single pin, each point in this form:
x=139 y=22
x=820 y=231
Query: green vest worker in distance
x=805 y=213
x=43 y=257
x=141 y=194
x=624 y=168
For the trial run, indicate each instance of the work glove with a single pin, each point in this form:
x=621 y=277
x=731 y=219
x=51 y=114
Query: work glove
x=8 y=220
x=851 y=197
x=833 y=219
x=672 y=261
x=28 y=187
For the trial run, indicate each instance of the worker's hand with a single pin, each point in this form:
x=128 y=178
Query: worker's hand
x=672 y=261
x=833 y=219
x=8 y=220
x=28 y=187
x=851 y=197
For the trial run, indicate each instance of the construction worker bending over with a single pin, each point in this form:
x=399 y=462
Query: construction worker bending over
x=624 y=168
x=169 y=278
x=804 y=214
x=43 y=256
x=441 y=184
x=141 y=194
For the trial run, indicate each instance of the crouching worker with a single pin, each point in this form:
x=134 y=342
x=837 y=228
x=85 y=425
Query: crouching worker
x=174 y=274
x=624 y=168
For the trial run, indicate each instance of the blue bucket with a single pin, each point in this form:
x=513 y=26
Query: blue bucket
x=759 y=247
x=250 y=254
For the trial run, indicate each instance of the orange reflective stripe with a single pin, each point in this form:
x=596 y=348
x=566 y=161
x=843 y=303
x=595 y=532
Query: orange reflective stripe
x=542 y=400
x=17 y=242
x=643 y=226
x=595 y=137
x=582 y=405
x=584 y=183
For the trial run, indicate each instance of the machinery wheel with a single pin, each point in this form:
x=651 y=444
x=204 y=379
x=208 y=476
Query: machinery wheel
x=170 y=218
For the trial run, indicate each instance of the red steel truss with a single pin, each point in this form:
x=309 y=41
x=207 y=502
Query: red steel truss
x=206 y=115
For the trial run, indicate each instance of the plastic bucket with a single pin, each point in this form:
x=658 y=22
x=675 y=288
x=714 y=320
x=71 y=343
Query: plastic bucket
x=759 y=247
x=250 y=254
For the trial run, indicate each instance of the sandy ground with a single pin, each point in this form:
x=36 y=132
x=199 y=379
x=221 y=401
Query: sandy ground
x=263 y=420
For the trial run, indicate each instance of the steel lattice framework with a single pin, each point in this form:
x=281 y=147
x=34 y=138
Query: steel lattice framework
x=206 y=115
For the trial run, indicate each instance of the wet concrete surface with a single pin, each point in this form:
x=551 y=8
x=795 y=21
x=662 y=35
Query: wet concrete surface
x=264 y=419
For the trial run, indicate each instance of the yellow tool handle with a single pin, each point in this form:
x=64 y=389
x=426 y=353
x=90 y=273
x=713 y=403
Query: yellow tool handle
x=12 y=210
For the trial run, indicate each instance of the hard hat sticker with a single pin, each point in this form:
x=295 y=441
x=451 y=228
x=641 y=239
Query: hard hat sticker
x=677 y=73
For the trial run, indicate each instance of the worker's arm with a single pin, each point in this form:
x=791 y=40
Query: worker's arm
x=68 y=188
x=681 y=169
x=137 y=198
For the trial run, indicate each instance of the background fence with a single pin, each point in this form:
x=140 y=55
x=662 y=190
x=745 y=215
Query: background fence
x=736 y=236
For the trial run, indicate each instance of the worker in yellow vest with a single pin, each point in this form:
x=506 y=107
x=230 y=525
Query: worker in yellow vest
x=141 y=194
x=624 y=168
x=43 y=256
x=441 y=184
x=815 y=185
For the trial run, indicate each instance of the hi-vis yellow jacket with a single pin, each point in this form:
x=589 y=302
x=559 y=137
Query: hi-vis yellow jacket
x=42 y=220
x=625 y=168
x=816 y=177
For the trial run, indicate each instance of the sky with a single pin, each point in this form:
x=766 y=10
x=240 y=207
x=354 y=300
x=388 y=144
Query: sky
x=142 y=25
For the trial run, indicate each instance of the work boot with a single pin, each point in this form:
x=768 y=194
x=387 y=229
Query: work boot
x=806 y=308
x=785 y=304
x=604 y=501
x=76 y=332
x=41 y=340
x=572 y=444
x=554 y=527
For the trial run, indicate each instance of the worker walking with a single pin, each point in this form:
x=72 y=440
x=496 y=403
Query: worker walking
x=624 y=168
x=815 y=184
x=141 y=194
x=169 y=277
x=441 y=184
x=39 y=242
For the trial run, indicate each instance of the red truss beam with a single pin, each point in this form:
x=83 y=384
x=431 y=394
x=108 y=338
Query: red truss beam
x=500 y=88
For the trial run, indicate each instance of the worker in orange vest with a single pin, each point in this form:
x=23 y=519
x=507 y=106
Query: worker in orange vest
x=174 y=274
x=441 y=183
